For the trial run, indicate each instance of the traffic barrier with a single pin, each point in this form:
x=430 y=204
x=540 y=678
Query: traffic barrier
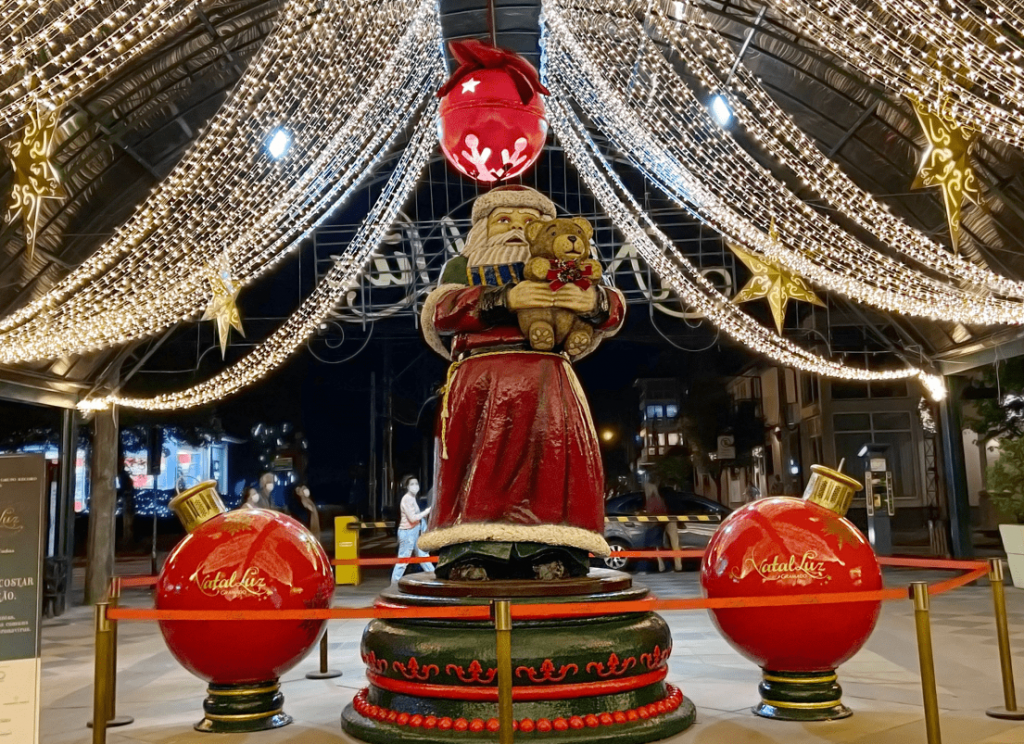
x=102 y=690
x=503 y=614
x=1009 y=710
x=922 y=620
x=324 y=672
x=346 y=542
x=353 y=525
x=502 y=617
x=111 y=717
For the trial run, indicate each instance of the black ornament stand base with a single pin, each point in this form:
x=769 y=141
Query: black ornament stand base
x=237 y=709
x=801 y=696
x=589 y=679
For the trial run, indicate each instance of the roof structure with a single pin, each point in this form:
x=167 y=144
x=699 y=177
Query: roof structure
x=121 y=138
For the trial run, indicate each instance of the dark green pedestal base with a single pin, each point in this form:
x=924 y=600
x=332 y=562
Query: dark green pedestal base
x=801 y=696
x=238 y=709
x=593 y=679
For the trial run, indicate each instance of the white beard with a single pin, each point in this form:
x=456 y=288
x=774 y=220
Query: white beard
x=480 y=250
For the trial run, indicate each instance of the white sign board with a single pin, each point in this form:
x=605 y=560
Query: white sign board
x=22 y=481
x=726 y=447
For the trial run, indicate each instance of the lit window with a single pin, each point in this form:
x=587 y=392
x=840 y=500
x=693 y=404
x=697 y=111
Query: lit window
x=673 y=439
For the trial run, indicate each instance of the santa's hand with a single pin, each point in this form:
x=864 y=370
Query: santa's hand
x=580 y=301
x=529 y=295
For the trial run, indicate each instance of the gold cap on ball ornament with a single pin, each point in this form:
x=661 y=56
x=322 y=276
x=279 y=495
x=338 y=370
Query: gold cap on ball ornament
x=197 y=505
x=831 y=489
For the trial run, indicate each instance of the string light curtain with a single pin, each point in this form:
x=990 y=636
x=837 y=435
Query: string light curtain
x=709 y=57
x=51 y=52
x=343 y=80
x=341 y=279
x=679 y=274
x=619 y=79
x=961 y=59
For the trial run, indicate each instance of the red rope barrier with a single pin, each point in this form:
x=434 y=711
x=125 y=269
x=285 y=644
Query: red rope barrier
x=130 y=581
x=975 y=570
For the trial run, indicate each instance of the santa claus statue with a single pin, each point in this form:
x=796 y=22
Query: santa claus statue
x=519 y=481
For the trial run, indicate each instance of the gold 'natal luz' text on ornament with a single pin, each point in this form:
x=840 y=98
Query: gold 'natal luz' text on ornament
x=772 y=281
x=946 y=164
x=35 y=177
x=222 y=308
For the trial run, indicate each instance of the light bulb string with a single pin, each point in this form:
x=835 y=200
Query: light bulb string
x=900 y=287
x=331 y=289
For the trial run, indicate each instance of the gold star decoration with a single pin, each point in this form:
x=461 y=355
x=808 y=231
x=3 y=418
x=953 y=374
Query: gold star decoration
x=222 y=307
x=35 y=176
x=772 y=281
x=946 y=164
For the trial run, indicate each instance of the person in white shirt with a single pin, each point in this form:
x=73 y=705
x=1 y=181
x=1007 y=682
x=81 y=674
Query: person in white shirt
x=409 y=527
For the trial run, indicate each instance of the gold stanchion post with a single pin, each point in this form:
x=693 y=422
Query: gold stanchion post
x=113 y=598
x=101 y=688
x=502 y=611
x=324 y=672
x=1009 y=709
x=919 y=593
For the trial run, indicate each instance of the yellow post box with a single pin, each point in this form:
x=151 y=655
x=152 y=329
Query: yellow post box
x=346 y=547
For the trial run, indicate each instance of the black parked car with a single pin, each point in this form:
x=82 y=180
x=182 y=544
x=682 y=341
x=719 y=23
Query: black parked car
x=650 y=535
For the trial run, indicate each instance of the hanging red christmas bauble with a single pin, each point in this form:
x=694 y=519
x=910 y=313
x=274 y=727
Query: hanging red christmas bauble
x=786 y=546
x=247 y=559
x=492 y=113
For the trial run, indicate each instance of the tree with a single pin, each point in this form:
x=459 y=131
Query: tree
x=674 y=469
x=1006 y=479
x=998 y=410
x=710 y=412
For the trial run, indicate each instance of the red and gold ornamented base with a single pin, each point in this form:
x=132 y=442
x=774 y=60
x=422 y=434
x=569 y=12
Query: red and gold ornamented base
x=594 y=679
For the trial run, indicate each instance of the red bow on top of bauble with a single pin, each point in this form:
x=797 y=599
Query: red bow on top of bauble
x=473 y=55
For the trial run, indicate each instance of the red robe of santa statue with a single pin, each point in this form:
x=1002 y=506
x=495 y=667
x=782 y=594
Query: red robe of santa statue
x=518 y=458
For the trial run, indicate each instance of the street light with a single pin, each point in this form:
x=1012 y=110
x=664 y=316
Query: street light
x=607 y=435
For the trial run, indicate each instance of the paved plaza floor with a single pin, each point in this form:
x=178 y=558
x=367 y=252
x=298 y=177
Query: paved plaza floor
x=881 y=683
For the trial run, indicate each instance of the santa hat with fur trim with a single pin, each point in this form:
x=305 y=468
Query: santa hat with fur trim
x=512 y=197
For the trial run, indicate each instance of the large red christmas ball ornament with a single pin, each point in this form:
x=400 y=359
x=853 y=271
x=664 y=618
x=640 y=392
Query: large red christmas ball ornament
x=787 y=546
x=492 y=114
x=247 y=559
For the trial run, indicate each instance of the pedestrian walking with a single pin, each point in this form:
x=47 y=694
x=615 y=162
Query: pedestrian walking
x=410 y=526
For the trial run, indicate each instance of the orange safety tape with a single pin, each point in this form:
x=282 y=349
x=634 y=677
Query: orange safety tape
x=658 y=554
x=942 y=587
x=520 y=611
x=379 y=561
x=132 y=581
x=473 y=612
x=931 y=563
x=129 y=581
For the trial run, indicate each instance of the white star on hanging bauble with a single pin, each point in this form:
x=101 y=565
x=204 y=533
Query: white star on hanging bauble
x=35 y=177
x=222 y=307
x=469 y=86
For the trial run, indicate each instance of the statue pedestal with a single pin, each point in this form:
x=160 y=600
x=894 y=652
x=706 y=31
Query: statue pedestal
x=598 y=679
